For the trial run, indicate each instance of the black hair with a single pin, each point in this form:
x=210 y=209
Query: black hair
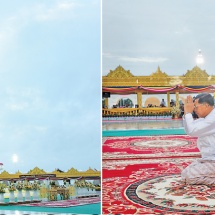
x=205 y=98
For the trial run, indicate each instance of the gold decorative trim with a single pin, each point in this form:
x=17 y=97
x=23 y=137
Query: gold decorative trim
x=159 y=73
x=90 y=171
x=121 y=78
x=72 y=171
x=196 y=72
x=4 y=173
x=119 y=72
x=37 y=172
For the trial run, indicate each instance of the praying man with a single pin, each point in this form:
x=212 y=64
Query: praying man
x=201 y=171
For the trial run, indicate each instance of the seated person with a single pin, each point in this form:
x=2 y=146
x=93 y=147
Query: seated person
x=163 y=103
x=172 y=103
x=182 y=110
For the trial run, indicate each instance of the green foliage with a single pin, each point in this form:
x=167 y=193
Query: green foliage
x=2 y=187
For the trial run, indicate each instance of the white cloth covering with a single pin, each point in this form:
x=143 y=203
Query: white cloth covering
x=204 y=129
x=201 y=171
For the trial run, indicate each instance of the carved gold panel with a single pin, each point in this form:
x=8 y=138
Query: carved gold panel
x=121 y=78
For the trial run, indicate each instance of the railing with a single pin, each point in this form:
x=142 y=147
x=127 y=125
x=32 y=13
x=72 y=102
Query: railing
x=136 y=111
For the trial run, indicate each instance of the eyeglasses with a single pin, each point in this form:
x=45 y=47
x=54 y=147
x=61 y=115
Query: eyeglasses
x=195 y=106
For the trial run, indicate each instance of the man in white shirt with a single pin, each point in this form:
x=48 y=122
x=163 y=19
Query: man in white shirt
x=163 y=103
x=201 y=171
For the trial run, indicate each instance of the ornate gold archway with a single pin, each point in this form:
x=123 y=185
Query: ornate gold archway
x=121 y=81
x=40 y=173
x=124 y=78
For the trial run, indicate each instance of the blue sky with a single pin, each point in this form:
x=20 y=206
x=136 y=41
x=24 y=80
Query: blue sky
x=50 y=84
x=141 y=35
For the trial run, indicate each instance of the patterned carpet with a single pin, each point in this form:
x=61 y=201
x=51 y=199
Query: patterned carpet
x=149 y=147
x=136 y=183
x=66 y=203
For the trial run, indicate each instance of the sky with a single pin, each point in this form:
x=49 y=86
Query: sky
x=141 y=35
x=50 y=67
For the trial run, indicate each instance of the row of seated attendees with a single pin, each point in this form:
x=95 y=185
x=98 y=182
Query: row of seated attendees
x=149 y=105
x=162 y=104
x=125 y=106
x=172 y=104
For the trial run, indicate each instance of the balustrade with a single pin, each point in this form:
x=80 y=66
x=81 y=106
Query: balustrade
x=136 y=111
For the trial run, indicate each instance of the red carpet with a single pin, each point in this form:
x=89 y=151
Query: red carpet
x=149 y=147
x=151 y=185
x=66 y=203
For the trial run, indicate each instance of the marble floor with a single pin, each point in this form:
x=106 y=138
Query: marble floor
x=141 y=125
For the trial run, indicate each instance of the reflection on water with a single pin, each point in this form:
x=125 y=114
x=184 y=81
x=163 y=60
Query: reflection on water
x=141 y=125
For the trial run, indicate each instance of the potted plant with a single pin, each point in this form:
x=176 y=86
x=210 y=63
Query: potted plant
x=36 y=188
x=11 y=189
x=27 y=186
x=19 y=187
x=2 y=191
x=175 y=111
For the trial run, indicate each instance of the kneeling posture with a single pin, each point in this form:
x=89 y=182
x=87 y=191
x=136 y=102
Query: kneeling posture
x=201 y=171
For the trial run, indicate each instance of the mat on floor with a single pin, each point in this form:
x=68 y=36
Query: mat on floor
x=66 y=203
x=149 y=147
x=153 y=187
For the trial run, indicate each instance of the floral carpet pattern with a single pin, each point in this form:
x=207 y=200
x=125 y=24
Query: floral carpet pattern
x=152 y=185
x=149 y=147
x=168 y=192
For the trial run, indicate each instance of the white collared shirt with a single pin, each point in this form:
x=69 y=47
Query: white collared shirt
x=204 y=129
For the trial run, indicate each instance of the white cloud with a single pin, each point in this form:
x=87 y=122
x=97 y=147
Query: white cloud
x=137 y=59
x=17 y=106
x=107 y=55
x=144 y=59
x=184 y=30
x=23 y=92
x=8 y=31
x=95 y=2
x=65 y=5
x=13 y=24
x=24 y=98
x=41 y=129
x=58 y=11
